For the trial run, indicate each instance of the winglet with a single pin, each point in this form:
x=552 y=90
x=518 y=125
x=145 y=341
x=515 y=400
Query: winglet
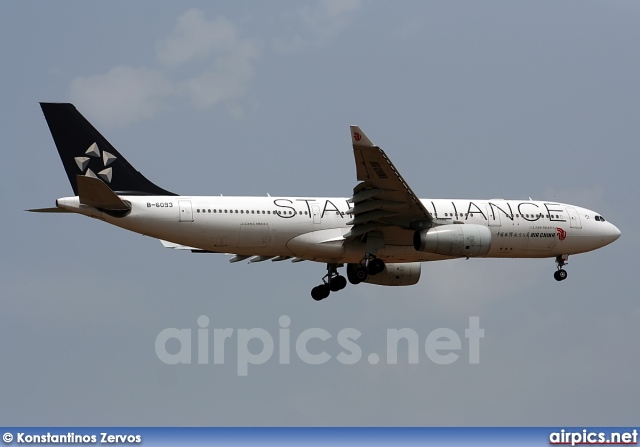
x=358 y=138
x=94 y=192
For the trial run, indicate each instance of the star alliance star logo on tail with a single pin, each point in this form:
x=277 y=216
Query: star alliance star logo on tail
x=94 y=153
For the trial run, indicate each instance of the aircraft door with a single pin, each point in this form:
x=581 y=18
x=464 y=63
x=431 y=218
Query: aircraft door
x=315 y=211
x=186 y=212
x=574 y=217
x=493 y=216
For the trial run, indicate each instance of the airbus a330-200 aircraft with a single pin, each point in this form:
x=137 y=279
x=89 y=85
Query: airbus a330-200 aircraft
x=382 y=232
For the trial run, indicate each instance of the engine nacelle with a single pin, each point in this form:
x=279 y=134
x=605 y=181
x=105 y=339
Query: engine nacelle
x=397 y=274
x=454 y=240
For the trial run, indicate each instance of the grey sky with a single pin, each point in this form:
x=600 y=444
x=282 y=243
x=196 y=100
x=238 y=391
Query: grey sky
x=469 y=99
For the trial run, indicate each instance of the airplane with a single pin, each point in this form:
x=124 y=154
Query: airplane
x=382 y=232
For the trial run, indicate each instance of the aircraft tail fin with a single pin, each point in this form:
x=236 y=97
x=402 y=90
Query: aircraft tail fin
x=86 y=153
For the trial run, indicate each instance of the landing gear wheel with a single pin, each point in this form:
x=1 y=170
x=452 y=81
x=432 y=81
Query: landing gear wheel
x=320 y=292
x=356 y=273
x=331 y=282
x=375 y=266
x=338 y=283
x=560 y=275
x=561 y=261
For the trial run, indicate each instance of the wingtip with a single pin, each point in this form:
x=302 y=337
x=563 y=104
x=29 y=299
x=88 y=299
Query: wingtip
x=358 y=137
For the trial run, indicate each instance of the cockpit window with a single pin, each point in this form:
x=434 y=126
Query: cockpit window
x=600 y=218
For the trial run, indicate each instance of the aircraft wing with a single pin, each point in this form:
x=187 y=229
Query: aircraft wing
x=382 y=199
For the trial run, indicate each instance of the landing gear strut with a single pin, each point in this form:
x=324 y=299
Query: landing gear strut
x=332 y=282
x=561 y=274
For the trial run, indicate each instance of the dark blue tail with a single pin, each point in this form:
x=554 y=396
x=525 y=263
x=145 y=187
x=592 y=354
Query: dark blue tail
x=84 y=151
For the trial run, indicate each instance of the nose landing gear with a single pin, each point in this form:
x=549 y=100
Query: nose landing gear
x=561 y=274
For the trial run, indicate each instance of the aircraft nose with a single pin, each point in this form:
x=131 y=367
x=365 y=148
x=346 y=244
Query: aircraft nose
x=614 y=233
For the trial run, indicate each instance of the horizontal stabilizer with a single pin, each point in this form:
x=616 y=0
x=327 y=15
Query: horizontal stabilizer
x=49 y=210
x=94 y=192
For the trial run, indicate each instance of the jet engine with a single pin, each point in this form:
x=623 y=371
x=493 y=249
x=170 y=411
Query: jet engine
x=396 y=274
x=454 y=240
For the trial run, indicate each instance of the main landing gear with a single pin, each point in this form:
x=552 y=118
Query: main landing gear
x=561 y=274
x=357 y=273
x=332 y=282
x=370 y=265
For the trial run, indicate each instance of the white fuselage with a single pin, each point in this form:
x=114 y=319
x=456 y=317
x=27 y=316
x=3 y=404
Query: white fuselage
x=313 y=228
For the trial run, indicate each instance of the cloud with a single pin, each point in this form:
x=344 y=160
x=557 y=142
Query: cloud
x=194 y=37
x=123 y=95
x=320 y=24
x=231 y=70
x=217 y=65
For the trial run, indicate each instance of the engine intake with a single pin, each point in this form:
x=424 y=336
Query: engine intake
x=454 y=240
